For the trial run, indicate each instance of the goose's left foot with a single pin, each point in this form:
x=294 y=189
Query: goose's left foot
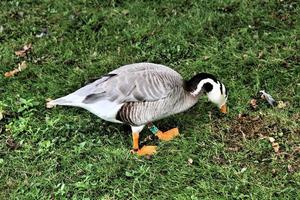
x=145 y=151
x=168 y=135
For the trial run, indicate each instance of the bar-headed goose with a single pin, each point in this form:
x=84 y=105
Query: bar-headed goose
x=138 y=94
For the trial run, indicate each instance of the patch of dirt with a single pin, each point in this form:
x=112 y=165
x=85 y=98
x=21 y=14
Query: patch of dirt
x=246 y=127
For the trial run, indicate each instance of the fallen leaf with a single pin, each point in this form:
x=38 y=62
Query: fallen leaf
x=275 y=146
x=281 y=104
x=21 y=66
x=290 y=168
x=253 y=103
x=260 y=54
x=12 y=144
x=190 y=161
x=26 y=48
x=234 y=149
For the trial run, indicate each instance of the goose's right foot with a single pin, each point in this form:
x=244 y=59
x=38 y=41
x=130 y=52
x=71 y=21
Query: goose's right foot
x=165 y=136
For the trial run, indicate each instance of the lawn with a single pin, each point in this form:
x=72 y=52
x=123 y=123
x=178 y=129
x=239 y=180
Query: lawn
x=68 y=153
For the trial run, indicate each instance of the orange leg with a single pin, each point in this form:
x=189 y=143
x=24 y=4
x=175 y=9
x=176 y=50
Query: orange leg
x=165 y=136
x=145 y=150
x=135 y=141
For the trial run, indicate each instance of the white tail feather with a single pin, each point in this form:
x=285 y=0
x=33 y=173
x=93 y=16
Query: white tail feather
x=69 y=100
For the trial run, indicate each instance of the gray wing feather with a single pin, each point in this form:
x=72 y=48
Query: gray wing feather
x=135 y=82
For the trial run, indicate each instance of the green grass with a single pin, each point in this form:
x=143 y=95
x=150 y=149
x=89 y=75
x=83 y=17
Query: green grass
x=68 y=153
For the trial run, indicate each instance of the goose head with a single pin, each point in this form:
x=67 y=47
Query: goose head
x=208 y=84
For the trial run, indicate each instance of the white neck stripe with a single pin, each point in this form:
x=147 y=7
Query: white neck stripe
x=200 y=86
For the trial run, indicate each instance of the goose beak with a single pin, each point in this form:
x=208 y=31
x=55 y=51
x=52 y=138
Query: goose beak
x=223 y=109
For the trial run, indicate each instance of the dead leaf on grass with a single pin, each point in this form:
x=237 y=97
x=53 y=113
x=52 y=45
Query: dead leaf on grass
x=260 y=54
x=281 y=104
x=253 y=104
x=234 y=149
x=276 y=147
x=12 y=144
x=21 y=66
x=26 y=48
x=290 y=168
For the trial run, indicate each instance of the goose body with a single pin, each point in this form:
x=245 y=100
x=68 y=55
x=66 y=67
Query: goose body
x=135 y=94
x=138 y=94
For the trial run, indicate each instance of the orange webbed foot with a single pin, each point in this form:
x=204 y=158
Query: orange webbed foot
x=168 y=135
x=145 y=151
